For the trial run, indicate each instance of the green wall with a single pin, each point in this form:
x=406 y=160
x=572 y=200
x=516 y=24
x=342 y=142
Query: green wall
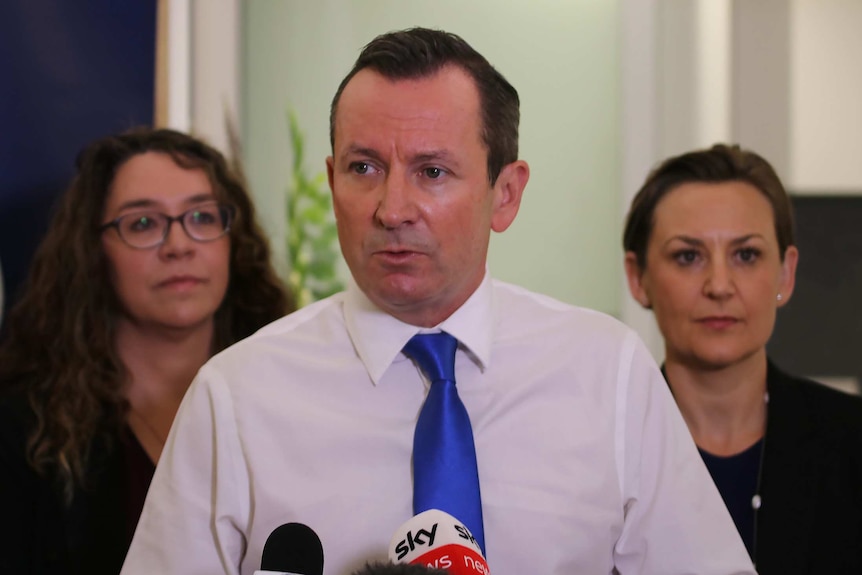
x=563 y=58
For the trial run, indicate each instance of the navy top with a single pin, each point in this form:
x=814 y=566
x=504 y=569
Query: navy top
x=736 y=479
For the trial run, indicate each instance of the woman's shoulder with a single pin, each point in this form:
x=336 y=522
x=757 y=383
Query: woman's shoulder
x=22 y=488
x=17 y=418
x=28 y=498
x=828 y=408
x=17 y=424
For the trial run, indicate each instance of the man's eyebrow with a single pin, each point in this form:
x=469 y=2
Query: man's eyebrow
x=424 y=156
x=434 y=155
x=356 y=150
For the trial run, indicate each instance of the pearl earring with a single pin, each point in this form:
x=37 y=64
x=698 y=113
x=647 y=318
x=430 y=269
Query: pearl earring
x=778 y=297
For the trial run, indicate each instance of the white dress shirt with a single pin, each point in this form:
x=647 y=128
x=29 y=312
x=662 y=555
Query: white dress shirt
x=585 y=464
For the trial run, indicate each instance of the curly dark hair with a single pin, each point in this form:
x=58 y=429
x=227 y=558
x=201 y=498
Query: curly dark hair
x=59 y=339
x=420 y=53
x=720 y=163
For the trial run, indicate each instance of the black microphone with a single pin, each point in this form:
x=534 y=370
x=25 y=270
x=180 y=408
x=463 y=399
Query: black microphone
x=292 y=549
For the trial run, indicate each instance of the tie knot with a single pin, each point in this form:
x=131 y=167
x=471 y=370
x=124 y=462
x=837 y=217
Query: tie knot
x=435 y=354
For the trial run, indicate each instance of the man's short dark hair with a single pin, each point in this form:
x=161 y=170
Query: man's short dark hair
x=420 y=53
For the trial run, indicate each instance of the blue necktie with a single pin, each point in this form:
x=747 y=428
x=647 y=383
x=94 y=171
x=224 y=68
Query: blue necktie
x=445 y=475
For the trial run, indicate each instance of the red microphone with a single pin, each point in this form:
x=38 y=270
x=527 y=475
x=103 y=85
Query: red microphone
x=436 y=539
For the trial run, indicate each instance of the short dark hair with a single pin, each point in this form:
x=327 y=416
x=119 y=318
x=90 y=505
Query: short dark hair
x=720 y=163
x=420 y=53
x=398 y=569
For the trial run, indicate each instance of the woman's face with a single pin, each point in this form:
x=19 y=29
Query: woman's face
x=713 y=273
x=180 y=283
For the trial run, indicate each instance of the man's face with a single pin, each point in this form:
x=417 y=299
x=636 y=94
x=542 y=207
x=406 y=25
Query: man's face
x=411 y=193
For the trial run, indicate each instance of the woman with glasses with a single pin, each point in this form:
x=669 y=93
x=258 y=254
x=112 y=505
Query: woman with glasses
x=710 y=249
x=152 y=263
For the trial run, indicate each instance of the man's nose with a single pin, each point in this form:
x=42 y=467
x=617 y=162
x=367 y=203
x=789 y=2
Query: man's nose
x=397 y=204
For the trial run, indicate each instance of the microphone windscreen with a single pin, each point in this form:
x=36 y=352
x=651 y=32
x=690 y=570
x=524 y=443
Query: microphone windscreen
x=397 y=569
x=436 y=539
x=293 y=548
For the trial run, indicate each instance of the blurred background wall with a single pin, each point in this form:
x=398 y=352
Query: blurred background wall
x=608 y=88
x=69 y=72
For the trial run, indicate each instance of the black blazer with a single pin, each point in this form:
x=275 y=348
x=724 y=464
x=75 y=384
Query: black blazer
x=810 y=520
x=39 y=534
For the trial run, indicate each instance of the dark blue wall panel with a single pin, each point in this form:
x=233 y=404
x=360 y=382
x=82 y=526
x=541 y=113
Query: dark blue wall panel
x=69 y=72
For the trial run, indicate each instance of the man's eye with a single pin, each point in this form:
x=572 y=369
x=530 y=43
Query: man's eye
x=433 y=173
x=360 y=167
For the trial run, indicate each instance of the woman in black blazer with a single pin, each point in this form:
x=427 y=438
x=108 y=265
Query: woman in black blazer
x=709 y=248
x=152 y=262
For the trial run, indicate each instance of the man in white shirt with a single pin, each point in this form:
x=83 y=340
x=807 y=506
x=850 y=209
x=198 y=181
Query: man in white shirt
x=584 y=462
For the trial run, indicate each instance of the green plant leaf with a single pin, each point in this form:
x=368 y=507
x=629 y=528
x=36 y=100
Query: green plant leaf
x=312 y=234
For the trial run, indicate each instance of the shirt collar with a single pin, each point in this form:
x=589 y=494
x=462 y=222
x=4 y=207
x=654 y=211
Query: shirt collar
x=379 y=338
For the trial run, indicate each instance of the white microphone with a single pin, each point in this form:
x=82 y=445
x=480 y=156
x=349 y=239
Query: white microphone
x=436 y=539
x=292 y=549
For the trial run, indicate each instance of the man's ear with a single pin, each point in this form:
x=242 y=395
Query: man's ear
x=507 y=191
x=330 y=171
x=635 y=278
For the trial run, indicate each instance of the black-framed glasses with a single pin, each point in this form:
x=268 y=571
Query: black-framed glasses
x=148 y=229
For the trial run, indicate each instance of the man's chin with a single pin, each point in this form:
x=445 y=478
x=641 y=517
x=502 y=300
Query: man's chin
x=401 y=297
